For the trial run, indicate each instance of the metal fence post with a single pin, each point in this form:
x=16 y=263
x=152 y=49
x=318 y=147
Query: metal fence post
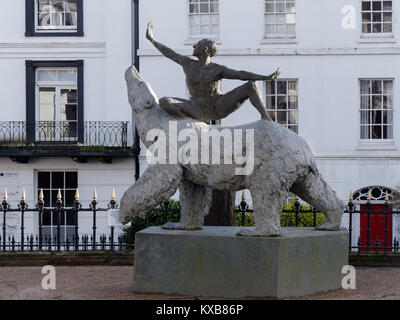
x=22 y=206
x=93 y=206
x=5 y=206
x=350 y=211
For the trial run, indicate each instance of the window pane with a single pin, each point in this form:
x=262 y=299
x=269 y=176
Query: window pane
x=376 y=102
x=377 y=17
x=376 y=132
x=57 y=180
x=387 y=27
x=292 y=87
x=365 y=119
x=292 y=102
x=204 y=8
x=366 y=17
x=293 y=117
x=214 y=7
x=387 y=5
x=366 y=5
x=282 y=117
x=69 y=198
x=71 y=180
x=376 y=5
x=282 y=102
x=270 y=87
x=365 y=102
x=47 y=98
x=47 y=75
x=269 y=7
x=269 y=29
x=376 y=87
x=43 y=180
x=272 y=115
x=66 y=75
x=377 y=27
x=366 y=28
x=68 y=105
x=270 y=18
x=281 y=87
x=388 y=87
x=364 y=85
x=194 y=20
x=194 y=8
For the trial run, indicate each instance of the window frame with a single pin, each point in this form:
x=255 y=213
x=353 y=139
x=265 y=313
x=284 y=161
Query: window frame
x=64 y=224
x=371 y=141
x=31 y=23
x=376 y=35
x=202 y=36
x=287 y=125
x=31 y=93
x=279 y=35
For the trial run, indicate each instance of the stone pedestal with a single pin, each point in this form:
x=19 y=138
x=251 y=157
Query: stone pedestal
x=214 y=262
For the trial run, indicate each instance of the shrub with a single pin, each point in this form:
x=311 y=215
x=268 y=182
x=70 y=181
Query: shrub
x=288 y=219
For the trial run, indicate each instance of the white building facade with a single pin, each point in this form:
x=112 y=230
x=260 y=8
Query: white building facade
x=340 y=81
x=65 y=123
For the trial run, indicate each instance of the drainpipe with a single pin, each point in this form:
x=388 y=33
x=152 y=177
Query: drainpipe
x=135 y=62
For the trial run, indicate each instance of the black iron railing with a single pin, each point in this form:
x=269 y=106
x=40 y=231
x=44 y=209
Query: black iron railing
x=371 y=237
x=20 y=134
x=59 y=241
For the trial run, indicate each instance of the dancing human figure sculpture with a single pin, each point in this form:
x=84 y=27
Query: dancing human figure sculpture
x=203 y=78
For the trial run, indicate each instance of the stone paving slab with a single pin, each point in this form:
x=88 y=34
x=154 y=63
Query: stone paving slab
x=115 y=283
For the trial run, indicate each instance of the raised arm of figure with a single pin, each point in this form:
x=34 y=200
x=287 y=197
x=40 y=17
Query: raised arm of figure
x=168 y=52
x=228 y=73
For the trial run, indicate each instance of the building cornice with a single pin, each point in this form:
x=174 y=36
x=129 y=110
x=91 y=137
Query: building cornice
x=294 y=51
x=52 y=50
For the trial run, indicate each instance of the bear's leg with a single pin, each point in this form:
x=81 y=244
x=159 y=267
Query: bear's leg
x=267 y=212
x=315 y=191
x=157 y=184
x=195 y=204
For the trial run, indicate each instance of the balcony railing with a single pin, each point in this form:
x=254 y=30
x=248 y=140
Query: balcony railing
x=55 y=134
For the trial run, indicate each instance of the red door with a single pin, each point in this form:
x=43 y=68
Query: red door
x=376 y=226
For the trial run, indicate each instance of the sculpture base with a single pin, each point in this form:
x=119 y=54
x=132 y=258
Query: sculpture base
x=214 y=262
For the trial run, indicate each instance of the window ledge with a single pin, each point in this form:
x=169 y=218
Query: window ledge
x=192 y=41
x=385 y=145
x=279 y=40
x=377 y=39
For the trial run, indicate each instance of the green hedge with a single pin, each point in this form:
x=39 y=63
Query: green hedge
x=288 y=219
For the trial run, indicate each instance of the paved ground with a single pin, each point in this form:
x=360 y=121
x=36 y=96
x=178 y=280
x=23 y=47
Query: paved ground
x=116 y=283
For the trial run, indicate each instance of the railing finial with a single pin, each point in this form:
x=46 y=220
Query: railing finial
x=41 y=196
x=387 y=196
x=77 y=195
x=113 y=195
x=59 y=197
x=5 y=196
x=23 y=197
x=95 y=194
x=351 y=196
x=369 y=196
x=243 y=196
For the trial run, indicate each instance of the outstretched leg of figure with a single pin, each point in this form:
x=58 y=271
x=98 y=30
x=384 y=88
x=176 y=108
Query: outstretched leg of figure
x=177 y=107
x=233 y=100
